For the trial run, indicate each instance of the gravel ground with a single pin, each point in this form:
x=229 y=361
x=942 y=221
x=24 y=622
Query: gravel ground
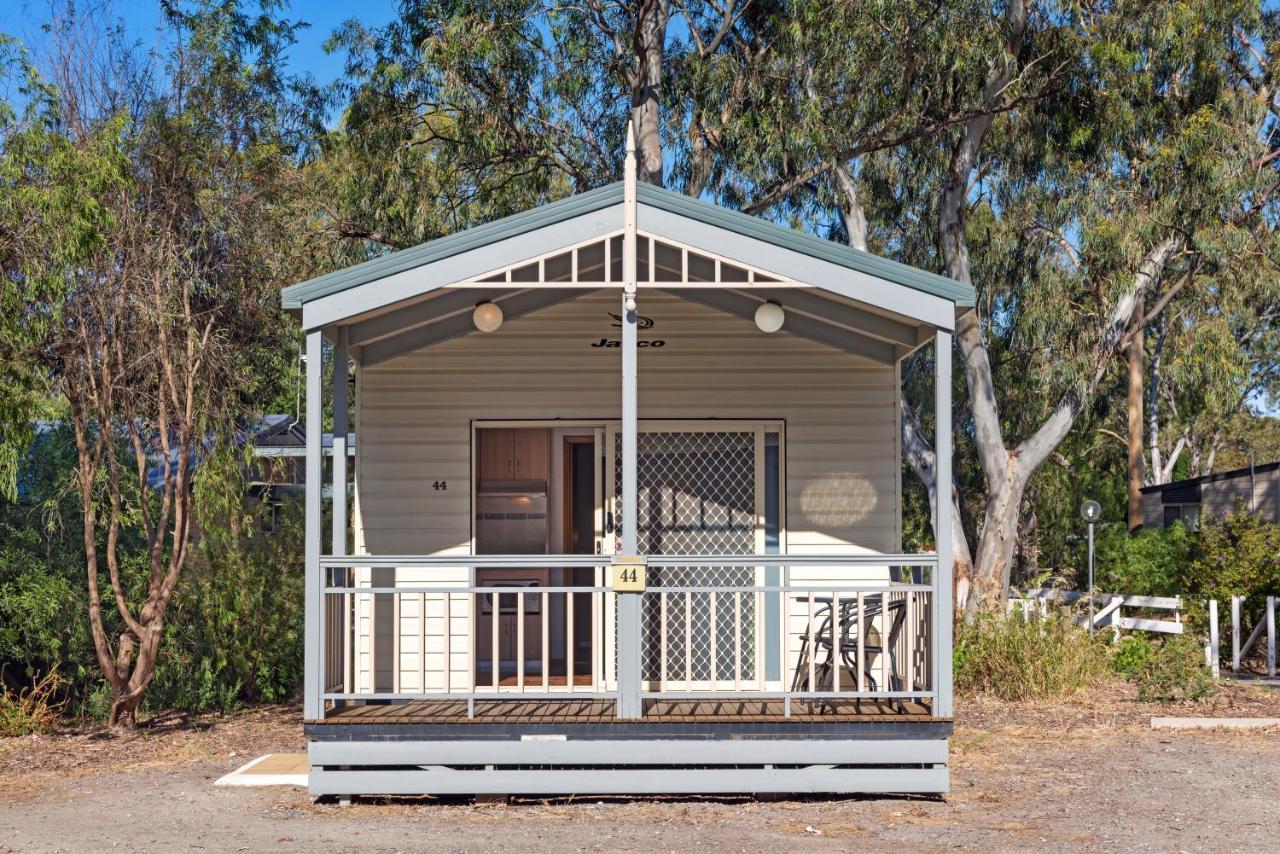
x=1084 y=774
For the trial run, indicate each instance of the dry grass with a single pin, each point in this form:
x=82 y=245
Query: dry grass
x=30 y=762
x=1032 y=660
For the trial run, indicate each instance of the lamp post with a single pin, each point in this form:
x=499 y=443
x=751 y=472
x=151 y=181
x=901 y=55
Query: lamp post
x=1091 y=512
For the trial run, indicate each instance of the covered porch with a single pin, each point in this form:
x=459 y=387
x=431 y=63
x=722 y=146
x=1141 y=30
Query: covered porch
x=627 y=469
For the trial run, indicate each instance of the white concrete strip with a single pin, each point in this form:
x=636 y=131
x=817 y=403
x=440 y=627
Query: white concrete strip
x=1214 y=723
x=243 y=776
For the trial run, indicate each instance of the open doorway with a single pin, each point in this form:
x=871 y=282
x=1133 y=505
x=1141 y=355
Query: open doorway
x=581 y=498
x=536 y=493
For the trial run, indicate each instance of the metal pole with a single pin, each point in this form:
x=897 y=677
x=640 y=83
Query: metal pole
x=313 y=705
x=1090 y=578
x=943 y=597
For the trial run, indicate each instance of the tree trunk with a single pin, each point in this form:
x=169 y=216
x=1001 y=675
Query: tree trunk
x=646 y=85
x=924 y=462
x=994 y=560
x=1134 y=413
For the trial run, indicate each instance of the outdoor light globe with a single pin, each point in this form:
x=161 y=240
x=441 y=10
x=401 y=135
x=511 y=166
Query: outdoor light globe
x=487 y=317
x=769 y=317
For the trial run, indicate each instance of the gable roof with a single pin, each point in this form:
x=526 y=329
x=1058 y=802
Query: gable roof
x=295 y=296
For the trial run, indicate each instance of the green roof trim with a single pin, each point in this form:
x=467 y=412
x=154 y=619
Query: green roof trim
x=294 y=296
x=806 y=244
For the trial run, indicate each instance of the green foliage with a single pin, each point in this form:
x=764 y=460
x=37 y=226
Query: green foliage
x=1170 y=671
x=1131 y=654
x=1236 y=555
x=235 y=629
x=1025 y=660
x=1150 y=562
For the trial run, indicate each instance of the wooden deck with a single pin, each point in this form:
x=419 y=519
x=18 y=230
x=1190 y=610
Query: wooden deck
x=602 y=712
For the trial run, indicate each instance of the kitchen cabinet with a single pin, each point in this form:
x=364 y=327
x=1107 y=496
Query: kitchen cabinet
x=514 y=453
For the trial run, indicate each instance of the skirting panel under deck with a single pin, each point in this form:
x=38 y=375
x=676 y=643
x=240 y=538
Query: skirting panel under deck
x=591 y=761
x=630 y=781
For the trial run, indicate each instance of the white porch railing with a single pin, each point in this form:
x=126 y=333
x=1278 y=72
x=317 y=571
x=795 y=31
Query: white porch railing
x=815 y=629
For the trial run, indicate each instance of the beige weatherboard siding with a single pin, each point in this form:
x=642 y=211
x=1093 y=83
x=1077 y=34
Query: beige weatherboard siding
x=416 y=415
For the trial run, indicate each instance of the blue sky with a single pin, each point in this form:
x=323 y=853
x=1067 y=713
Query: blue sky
x=24 y=18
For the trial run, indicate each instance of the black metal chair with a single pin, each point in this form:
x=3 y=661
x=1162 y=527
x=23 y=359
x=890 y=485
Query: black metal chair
x=850 y=624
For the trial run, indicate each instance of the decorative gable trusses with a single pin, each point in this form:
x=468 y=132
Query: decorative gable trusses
x=658 y=263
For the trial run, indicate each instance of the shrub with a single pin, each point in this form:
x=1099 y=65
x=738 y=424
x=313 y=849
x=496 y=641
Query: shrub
x=236 y=629
x=1238 y=555
x=1130 y=655
x=1151 y=562
x=33 y=709
x=1016 y=660
x=1172 y=670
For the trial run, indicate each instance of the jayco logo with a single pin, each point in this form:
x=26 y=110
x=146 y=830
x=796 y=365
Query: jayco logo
x=642 y=322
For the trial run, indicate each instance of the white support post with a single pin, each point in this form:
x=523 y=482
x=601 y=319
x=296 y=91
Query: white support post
x=628 y=642
x=339 y=517
x=943 y=603
x=340 y=429
x=1214 y=651
x=1271 y=636
x=313 y=638
x=1235 y=633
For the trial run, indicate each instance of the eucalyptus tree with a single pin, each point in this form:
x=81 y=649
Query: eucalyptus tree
x=141 y=253
x=1067 y=158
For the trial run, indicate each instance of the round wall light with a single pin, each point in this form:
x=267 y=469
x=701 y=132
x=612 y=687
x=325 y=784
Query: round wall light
x=770 y=317
x=487 y=317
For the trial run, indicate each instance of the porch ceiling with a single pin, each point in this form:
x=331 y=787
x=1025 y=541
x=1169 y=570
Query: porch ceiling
x=810 y=314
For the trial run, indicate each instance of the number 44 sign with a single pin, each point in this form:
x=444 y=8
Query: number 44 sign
x=627 y=574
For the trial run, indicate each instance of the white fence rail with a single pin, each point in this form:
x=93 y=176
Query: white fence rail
x=1109 y=613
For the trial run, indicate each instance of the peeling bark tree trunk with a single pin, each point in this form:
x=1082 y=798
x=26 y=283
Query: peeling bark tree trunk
x=916 y=444
x=646 y=84
x=920 y=455
x=1134 y=413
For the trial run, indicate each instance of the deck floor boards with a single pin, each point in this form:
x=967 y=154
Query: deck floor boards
x=602 y=711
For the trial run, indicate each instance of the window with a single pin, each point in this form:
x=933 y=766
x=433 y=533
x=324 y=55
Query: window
x=1187 y=514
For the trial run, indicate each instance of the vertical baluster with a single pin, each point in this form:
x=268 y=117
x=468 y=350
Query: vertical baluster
x=737 y=640
x=812 y=650
x=761 y=658
x=715 y=640
x=372 y=601
x=835 y=640
x=597 y=647
x=348 y=632
x=395 y=643
x=688 y=641
x=447 y=666
x=520 y=642
x=662 y=640
x=571 y=640
x=495 y=608
x=860 y=660
x=422 y=643
x=909 y=623
x=884 y=640
x=545 y=621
